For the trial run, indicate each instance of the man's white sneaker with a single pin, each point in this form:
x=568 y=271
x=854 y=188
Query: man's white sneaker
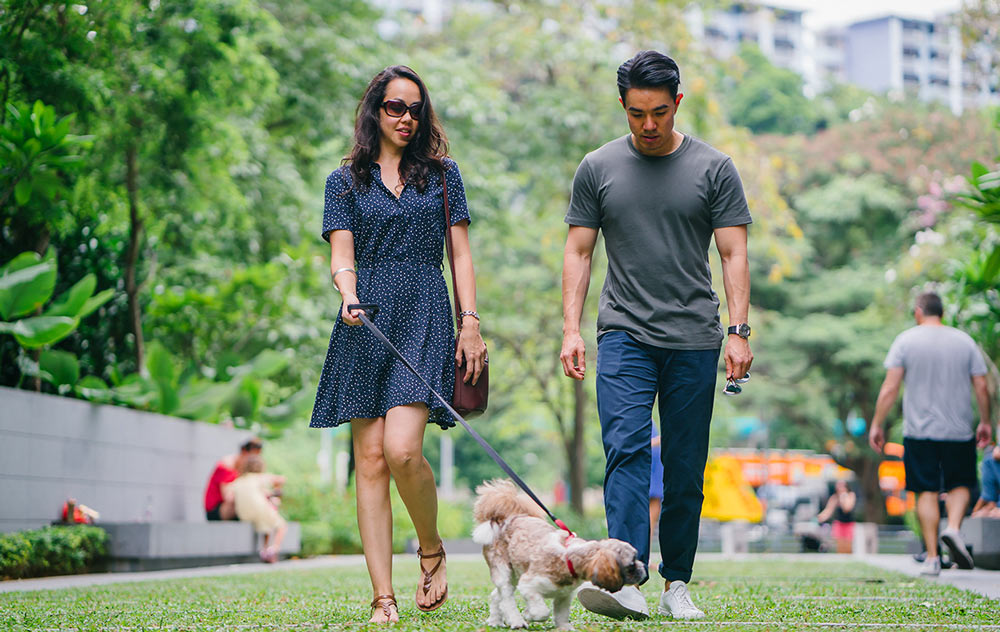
x=627 y=603
x=676 y=602
x=952 y=539
x=931 y=566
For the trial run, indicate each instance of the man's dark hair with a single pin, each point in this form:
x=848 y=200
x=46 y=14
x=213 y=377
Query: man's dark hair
x=251 y=444
x=930 y=304
x=649 y=69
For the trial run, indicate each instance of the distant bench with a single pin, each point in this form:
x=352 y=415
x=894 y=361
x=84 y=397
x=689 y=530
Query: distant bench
x=143 y=546
x=982 y=535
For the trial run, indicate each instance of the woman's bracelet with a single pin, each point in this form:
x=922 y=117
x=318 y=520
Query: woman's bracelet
x=470 y=312
x=338 y=271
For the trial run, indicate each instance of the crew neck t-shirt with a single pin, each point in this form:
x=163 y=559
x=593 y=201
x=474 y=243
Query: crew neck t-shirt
x=657 y=215
x=938 y=364
x=221 y=475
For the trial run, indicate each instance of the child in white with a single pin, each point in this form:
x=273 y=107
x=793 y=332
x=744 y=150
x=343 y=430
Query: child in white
x=251 y=494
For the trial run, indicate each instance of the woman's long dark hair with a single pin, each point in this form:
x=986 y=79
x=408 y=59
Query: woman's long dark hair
x=423 y=153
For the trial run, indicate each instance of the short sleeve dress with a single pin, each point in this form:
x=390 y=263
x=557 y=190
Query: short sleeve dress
x=399 y=249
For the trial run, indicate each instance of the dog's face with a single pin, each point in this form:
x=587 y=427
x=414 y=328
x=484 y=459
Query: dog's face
x=614 y=564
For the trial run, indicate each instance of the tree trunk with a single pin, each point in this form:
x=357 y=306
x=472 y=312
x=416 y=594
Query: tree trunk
x=577 y=457
x=132 y=255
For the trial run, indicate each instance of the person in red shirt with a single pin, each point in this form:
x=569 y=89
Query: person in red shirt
x=218 y=504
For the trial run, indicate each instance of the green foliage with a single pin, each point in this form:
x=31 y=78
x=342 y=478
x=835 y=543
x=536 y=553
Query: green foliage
x=768 y=99
x=15 y=555
x=236 y=394
x=36 y=151
x=985 y=196
x=52 y=551
x=975 y=282
x=26 y=284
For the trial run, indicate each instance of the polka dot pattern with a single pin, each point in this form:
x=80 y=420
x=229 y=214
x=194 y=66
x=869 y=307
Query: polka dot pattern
x=399 y=248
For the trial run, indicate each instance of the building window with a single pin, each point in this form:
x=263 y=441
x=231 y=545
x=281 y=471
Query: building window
x=911 y=52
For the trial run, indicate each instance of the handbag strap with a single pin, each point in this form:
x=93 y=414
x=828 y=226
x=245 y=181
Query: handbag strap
x=451 y=253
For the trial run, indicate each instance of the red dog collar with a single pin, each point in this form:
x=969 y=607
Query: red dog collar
x=569 y=564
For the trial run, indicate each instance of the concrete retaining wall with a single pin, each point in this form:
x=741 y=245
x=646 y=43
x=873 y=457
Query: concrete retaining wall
x=157 y=546
x=129 y=465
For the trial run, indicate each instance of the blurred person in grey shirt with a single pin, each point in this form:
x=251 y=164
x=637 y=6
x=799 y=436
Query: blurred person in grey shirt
x=936 y=364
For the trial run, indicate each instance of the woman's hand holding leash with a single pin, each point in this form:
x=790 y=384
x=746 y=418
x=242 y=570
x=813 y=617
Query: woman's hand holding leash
x=348 y=315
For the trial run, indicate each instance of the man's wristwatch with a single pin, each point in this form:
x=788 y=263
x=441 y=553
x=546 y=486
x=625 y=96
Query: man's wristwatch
x=742 y=330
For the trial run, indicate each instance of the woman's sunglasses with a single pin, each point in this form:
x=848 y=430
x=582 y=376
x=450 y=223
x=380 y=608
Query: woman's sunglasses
x=396 y=108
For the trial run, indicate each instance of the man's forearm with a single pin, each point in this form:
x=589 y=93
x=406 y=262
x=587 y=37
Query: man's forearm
x=983 y=401
x=736 y=280
x=886 y=399
x=575 y=282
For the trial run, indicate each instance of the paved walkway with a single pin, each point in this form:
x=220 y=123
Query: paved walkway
x=980 y=581
x=977 y=580
x=97 y=579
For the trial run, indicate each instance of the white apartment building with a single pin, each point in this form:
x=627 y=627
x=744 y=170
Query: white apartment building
x=906 y=56
x=918 y=58
x=779 y=32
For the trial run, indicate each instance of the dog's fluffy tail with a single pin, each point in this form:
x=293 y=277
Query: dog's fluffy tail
x=485 y=533
x=500 y=499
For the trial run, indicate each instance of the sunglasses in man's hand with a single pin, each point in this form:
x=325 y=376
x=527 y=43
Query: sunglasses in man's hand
x=733 y=385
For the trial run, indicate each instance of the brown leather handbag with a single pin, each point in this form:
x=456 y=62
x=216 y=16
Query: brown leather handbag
x=469 y=399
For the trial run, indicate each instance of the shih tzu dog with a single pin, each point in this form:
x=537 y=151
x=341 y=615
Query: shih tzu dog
x=522 y=549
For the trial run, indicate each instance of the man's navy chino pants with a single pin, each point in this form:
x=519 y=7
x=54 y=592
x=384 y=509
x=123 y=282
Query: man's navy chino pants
x=630 y=376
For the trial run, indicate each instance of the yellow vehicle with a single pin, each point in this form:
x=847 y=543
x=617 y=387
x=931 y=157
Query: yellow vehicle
x=728 y=495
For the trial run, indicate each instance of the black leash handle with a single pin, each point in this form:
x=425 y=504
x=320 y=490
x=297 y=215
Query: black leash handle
x=364 y=317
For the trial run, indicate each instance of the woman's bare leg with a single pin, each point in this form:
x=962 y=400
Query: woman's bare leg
x=374 y=509
x=404 y=443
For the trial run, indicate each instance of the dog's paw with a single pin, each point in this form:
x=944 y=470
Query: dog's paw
x=495 y=621
x=541 y=614
x=517 y=623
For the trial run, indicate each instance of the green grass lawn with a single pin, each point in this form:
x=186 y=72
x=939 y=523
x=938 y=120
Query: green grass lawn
x=766 y=594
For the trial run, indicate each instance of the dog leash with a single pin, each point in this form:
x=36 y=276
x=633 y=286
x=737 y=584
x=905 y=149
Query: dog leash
x=365 y=319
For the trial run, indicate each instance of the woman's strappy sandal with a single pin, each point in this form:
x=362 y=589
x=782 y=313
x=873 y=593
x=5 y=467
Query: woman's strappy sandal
x=428 y=575
x=386 y=601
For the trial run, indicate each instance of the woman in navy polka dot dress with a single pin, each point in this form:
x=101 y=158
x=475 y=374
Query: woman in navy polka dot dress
x=384 y=219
